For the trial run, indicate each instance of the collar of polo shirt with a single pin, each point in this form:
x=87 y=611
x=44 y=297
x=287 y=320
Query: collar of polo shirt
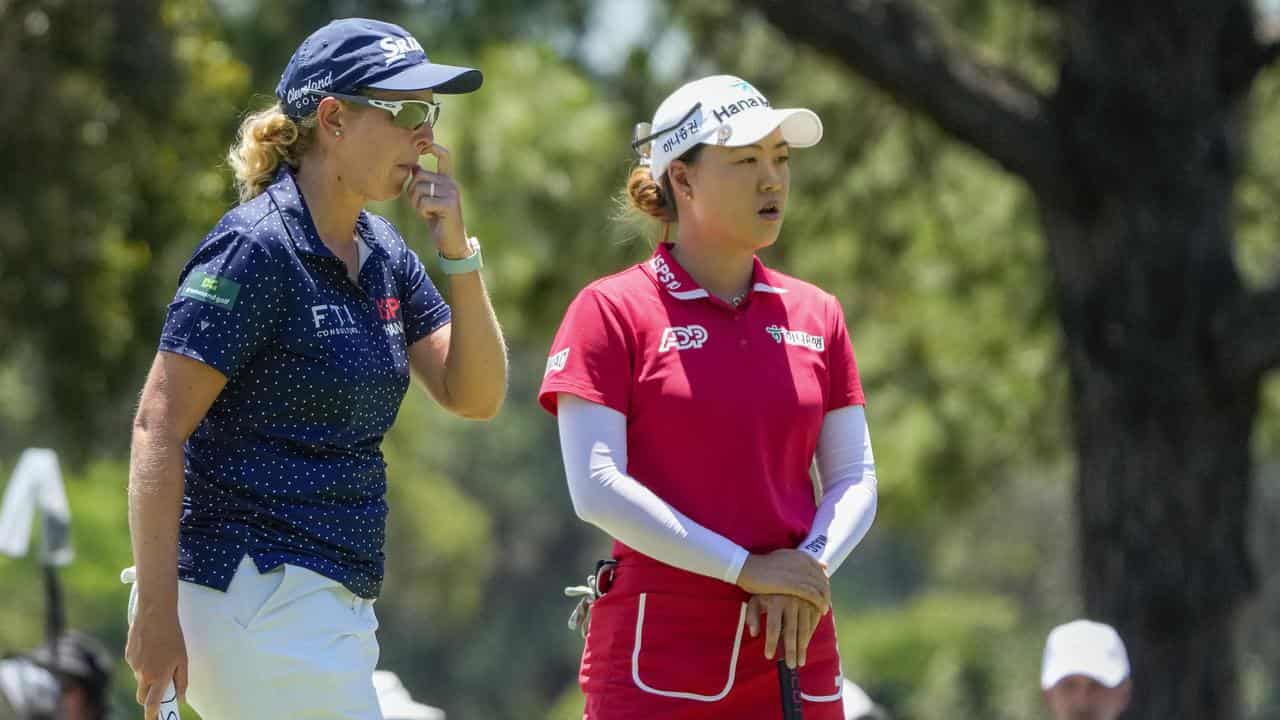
x=663 y=269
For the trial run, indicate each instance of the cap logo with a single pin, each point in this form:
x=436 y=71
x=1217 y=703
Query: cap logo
x=723 y=133
x=724 y=112
x=298 y=95
x=678 y=135
x=396 y=48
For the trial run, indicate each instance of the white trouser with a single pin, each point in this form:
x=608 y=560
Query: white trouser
x=289 y=643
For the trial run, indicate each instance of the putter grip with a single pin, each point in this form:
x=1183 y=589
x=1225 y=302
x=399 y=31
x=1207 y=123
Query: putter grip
x=789 y=684
x=169 y=705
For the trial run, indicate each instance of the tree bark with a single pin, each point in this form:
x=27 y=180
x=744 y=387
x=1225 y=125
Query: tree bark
x=1142 y=262
x=1165 y=348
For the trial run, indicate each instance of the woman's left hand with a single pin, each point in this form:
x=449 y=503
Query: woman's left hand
x=787 y=618
x=436 y=198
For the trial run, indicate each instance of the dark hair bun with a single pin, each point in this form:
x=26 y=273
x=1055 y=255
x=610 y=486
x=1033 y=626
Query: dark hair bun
x=648 y=196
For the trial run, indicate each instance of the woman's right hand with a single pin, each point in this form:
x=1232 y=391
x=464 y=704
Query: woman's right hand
x=157 y=654
x=787 y=572
x=787 y=619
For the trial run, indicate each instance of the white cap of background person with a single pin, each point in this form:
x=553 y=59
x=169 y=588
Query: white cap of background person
x=1087 y=648
x=723 y=110
x=858 y=705
x=395 y=702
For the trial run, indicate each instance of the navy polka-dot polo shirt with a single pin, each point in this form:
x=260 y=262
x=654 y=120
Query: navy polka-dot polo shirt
x=286 y=467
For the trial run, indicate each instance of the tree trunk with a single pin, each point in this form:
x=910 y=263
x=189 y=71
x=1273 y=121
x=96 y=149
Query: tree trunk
x=1133 y=161
x=1162 y=489
x=1142 y=266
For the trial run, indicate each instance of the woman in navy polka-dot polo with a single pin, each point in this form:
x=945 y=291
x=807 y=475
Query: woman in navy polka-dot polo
x=257 y=485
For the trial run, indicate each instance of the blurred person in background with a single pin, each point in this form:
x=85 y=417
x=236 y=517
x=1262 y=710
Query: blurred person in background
x=27 y=691
x=1085 y=674
x=82 y=667
x=396 y=702
x=69 y=679
x=257 y=484
x=859 y=706
x=693 y=393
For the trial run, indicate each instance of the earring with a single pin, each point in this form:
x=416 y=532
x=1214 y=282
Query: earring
x=337 y=133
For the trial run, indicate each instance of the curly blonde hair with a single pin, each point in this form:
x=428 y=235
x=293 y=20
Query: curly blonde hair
x=267 y=138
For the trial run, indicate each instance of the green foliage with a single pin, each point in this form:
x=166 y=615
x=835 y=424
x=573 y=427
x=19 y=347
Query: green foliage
x=941 y=641
x=934 y=253
x=109 y=173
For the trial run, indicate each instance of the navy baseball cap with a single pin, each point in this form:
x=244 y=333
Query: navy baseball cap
x=347 y=55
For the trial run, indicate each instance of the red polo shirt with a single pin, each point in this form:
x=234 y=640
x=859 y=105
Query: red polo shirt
x=724 y=404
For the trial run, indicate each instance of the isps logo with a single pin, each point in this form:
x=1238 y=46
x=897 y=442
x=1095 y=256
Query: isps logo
x=683 y=337
x=664 y=274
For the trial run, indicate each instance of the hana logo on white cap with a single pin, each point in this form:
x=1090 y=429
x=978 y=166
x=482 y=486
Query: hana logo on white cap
x=721 y=110
x=1086 y=648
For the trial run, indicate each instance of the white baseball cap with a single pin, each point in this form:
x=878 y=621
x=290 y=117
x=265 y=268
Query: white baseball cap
x=395 y=702
x=856 y=702
x=719 y=110
x=1084 y=648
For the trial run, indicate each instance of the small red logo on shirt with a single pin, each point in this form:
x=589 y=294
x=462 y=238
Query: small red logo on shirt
x=388 y=308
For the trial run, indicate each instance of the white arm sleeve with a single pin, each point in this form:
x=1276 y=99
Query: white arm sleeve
x=593 y=441
x=848 y=473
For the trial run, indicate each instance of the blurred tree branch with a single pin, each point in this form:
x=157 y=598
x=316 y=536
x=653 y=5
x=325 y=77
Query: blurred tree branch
x=1246 y=335
x=1246 y=51
x=896 y=45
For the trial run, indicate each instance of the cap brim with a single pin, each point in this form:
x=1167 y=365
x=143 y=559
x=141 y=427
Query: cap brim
x=410 y=710
x=800 y=127
x=443 y=79
x=1111 y=677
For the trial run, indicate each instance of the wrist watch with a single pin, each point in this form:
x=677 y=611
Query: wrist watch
x=470 y=263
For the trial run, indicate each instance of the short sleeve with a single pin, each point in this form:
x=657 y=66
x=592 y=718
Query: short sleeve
x=844 y=386
x=227 y=305
x=422 y=306
x=590 y=356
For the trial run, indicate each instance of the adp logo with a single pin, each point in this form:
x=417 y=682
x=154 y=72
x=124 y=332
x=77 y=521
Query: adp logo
x=683 y=337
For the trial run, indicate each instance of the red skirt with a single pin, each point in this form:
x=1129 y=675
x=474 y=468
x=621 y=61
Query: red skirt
x=665 y=643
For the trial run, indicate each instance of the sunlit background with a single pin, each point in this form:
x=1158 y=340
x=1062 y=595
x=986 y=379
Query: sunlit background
x=113 y=125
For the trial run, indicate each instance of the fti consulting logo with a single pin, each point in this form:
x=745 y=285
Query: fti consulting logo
x=683 y=337
x=333 y=320
x=796 y=337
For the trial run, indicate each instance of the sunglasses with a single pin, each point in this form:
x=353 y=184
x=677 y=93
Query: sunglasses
x=642 y=144
x=407 y=114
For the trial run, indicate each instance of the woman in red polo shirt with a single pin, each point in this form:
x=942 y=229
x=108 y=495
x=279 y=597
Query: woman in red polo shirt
x=693 y=392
